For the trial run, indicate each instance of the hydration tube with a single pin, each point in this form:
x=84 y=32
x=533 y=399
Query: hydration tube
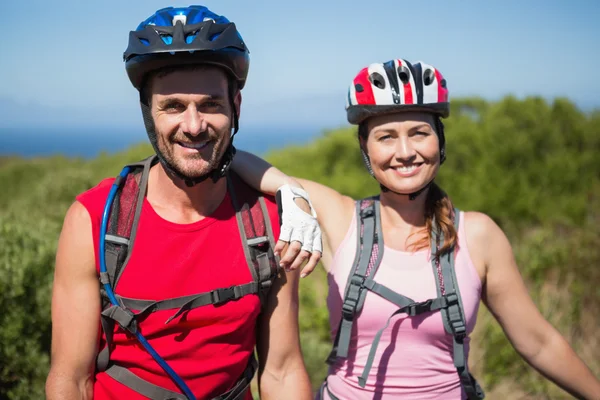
x=111 y=195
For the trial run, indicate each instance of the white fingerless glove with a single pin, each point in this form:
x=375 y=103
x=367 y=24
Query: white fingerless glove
x=296 y=224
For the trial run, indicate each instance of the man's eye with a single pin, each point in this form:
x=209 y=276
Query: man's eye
x=172 y=107
x=212 y=104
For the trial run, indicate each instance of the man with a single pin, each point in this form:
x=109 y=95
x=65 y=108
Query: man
x=183 y=318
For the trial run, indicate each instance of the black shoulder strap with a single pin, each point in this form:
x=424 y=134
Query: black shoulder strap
x=453 y=315
x=124 y=217
x=369 y=252
x=256 y=233
x=120 y=234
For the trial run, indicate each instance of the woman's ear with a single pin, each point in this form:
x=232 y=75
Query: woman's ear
x=362 y=142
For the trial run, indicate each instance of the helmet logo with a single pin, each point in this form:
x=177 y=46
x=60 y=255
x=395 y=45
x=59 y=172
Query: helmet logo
x=179 y=18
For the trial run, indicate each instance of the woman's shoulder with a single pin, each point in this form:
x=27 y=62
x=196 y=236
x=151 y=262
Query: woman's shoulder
x=484 y=236
x=479 y=224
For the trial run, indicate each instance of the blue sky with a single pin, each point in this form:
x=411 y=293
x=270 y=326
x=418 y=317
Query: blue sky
x=61 y=61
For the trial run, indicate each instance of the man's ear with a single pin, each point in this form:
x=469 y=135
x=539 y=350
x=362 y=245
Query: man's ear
x=237 y=102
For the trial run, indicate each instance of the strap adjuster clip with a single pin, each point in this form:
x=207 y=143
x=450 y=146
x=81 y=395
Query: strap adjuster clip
x=419 y=308
x=223 y=295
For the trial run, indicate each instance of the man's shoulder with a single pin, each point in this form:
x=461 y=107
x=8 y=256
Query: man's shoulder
x=93 y=198
x=101 y=189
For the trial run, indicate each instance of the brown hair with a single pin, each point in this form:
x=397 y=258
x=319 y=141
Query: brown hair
x=437 y=205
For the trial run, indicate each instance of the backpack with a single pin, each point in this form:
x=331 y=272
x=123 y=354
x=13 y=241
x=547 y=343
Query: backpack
x=368 y=256
x=119 y=227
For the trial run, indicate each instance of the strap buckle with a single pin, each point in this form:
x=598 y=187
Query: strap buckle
x=351 y=300
x=223 y=295
x=451 y=299
x=455 y=317
x=367 y=212
x=348 y=309
x=266 y=284
x=419 y=308
x=258 y=242
x=459 y=329
x=127 y=320
x=357 y=280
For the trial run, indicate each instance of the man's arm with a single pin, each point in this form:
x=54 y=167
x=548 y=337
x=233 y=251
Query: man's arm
x=281 y=371
x=75 y=310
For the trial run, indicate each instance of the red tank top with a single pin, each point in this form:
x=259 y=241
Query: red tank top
x=209 y=347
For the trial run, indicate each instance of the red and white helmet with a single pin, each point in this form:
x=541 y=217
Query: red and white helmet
x=396 y=85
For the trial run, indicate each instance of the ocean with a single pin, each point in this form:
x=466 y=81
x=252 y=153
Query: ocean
x=89 y=142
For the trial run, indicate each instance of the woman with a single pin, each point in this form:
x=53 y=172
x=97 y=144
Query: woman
x=407 y=253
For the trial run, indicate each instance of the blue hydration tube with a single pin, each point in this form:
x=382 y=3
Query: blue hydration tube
x=111 y=195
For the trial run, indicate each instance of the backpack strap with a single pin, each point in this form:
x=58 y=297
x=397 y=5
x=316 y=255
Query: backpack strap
x=453 y=316
x=130 y=224
x=154 y=392
x=124 y=216
x=369 y=252
x=408 y=306
x=256 y=233
x=123 y=220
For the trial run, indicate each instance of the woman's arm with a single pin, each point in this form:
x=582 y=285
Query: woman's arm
x=259 y=174
x=334 y=210
x=506 y=296
x=299 y=227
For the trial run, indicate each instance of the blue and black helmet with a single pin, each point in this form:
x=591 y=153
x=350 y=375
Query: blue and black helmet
x=185 y=36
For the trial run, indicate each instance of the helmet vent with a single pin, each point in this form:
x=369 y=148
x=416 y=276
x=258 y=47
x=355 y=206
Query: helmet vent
x=428 y=77
x=404 y=74
x=377 y=80
x=190 y=37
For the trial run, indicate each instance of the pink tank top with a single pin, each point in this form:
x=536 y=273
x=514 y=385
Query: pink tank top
x=414 y=356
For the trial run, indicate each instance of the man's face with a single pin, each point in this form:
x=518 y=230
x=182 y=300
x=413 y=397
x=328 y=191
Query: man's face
x=192 y=117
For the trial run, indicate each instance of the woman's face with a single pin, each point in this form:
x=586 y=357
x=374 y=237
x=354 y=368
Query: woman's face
x=404 y=150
